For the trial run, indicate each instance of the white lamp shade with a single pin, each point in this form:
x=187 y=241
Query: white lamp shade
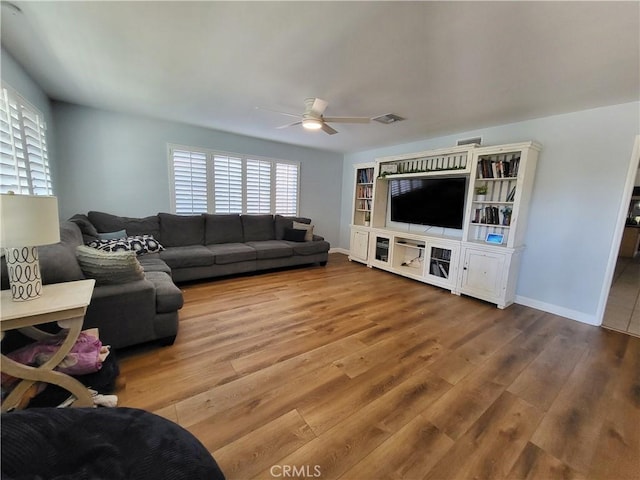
x=28 y=220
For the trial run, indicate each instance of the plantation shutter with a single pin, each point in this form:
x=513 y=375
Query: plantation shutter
x=258 y=182
x=206 y=181
x=24 y=161
x=189 y=182
x=227 y=184
x=286 y=189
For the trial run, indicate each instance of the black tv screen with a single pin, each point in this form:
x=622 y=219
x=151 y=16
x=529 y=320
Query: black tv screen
x=428 y=201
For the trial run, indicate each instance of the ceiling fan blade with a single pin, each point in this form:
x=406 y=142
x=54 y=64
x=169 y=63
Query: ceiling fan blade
x=347 y=119
x=277 y=111
x=318 y=106
x=327 y=129
x=288 y=125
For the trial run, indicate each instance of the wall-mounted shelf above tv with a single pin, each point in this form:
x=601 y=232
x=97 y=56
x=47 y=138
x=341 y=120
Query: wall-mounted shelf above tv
x=424 y=164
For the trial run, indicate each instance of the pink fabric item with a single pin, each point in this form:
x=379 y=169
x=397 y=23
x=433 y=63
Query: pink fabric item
x=83 y=358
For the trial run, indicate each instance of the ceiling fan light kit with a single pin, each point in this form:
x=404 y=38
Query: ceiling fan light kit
x=312 y=123
x=313 y=119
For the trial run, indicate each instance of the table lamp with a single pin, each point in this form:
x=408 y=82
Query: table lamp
x=26 y=221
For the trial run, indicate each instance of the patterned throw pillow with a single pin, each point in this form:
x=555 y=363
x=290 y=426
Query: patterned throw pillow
x=139 y=244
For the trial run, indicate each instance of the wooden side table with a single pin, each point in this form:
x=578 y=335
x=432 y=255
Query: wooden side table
x=64 y=303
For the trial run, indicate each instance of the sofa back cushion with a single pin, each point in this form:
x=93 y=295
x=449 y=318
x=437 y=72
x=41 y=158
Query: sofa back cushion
x=58 y=261
x=89 y=232
x=105 y=222
x=181 y=230
x=257 y=228
x=282 y=223
x=222 y=229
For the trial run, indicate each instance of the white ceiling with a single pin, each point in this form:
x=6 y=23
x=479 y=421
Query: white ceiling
x=445 y=66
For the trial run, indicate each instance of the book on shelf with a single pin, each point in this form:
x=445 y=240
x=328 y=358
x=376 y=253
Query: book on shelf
x=498 y=167
x=435 y=271
x=444 y=272
x=511 y=195
x=365 y=175
x=364 y=191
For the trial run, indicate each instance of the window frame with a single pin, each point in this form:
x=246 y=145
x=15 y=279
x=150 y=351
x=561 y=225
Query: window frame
x=210 y=177
x=33 y=169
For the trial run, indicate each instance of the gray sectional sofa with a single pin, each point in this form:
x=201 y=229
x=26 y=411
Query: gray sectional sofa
x=192 y=248
x=207 y=246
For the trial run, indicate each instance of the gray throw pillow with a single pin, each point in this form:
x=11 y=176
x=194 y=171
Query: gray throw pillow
x=303 y=226
x=112 y=235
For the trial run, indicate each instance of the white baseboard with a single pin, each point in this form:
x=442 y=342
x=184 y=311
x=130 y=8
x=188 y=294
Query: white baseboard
x=558 y=310
x=343 y=251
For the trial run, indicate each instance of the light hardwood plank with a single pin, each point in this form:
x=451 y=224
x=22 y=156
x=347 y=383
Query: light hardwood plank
x=366 y=375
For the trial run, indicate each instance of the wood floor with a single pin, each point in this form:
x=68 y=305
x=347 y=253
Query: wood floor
x=354 y=373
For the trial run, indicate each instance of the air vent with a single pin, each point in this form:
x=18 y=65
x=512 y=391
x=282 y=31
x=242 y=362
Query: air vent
x=388 y=118
x=470 y=141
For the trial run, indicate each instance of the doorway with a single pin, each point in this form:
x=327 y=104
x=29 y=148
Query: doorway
x=621 y=306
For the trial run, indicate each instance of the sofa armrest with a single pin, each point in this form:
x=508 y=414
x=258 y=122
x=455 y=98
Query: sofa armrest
x=123 y=313
x=317 y=238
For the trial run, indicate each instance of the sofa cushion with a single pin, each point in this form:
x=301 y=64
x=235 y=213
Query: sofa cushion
x=150 y=264
x=309 y=248
x=105 y=222
x=181 y=230
x=226 y=253
x=281 y=223
x=89 y=232
x=222 y=228
x=187 y=256
x=257 y=228
x=58 y=261
x=109 y=268
x=168 y=296
x=271 y=249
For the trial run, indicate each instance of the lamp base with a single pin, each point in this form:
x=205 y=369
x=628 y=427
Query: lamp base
x=24 y=273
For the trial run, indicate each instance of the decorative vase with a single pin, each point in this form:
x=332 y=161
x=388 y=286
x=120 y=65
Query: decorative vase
x=481 y=197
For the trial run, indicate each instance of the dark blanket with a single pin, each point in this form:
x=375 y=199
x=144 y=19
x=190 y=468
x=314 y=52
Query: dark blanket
x=103 y=443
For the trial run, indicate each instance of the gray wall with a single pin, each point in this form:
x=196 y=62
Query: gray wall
x=577 y=194
x=118 y=163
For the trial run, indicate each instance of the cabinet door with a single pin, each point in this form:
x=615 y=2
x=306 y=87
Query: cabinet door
x=359 y=245
x=380 y=250
x=440 y=267
x=482 y=274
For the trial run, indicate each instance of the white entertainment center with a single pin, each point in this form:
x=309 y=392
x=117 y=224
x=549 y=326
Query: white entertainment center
x=482 y=257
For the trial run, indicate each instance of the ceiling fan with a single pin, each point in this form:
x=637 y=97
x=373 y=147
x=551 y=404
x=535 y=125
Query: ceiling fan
x=313 y=118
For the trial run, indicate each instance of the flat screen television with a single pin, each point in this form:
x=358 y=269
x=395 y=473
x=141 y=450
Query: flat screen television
x=438 y=202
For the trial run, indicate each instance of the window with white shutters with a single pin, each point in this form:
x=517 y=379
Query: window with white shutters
x=190 y=193
x=227 y=184
x=215 y=182
x=258 y=186
x=24 y=161
x=286 y=189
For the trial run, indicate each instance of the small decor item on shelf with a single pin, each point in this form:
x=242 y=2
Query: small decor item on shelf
x=481 y=192
x=367 y=218
x=388 y=168
x=506 y=216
